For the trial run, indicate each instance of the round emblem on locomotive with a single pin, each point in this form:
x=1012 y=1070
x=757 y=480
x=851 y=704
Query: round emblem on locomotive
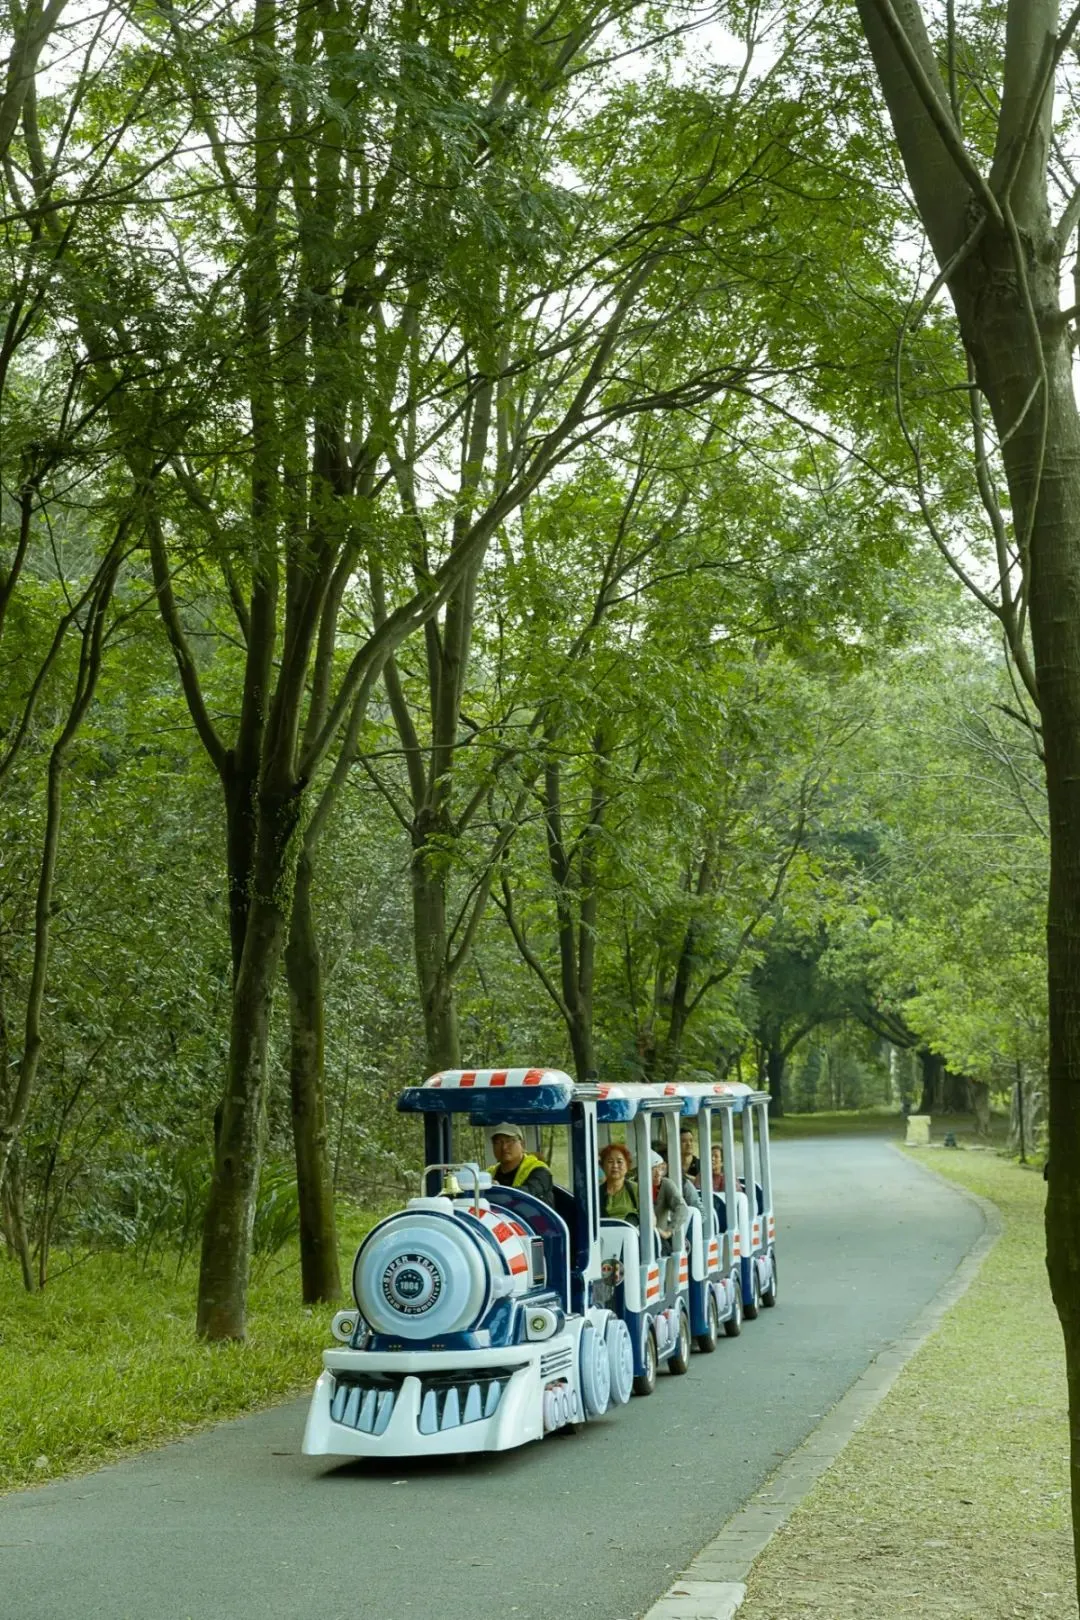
x=412 y=1283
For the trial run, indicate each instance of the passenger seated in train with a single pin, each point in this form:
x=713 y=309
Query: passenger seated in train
x=687 y=1144
x=618 y=1194
x=690 y=1193
x=516 y=1168
x=719 y=1197
x=669 y=1207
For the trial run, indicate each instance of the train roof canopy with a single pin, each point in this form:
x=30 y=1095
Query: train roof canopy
x=697 y=1094
x=619 y=1102
x=488 y=1095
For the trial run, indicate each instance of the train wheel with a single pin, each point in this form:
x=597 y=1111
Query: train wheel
x=733 y=1325
x=679 y=1359
x=752 y=1305
x=595 y=1371
x=768 y=1295
x=620 y=1360
x=645 y=1382
x=707 y=1341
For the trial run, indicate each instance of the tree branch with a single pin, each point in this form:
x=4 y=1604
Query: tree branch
x=185 y=662
x=506 y=906
x=912 y=47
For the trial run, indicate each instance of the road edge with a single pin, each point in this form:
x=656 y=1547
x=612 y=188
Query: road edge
x=713 y=1586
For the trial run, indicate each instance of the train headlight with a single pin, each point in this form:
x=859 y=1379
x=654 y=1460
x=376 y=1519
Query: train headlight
x=344 y=1325
x=541 y=1322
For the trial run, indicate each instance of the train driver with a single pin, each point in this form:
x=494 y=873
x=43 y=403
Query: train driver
x=516 y=1168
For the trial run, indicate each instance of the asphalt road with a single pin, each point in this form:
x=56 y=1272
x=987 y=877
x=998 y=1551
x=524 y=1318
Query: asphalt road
x=235 y=1523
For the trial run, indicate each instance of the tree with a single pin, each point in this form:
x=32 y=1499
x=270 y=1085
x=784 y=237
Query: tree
x=792 y=998
x=981 y=184
x=685 y=198
x=69 y=523
x=16 y=1090
x=959 y=876
x=387 y=250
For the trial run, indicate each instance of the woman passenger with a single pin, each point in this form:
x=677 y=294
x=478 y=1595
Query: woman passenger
x=669 y=1207
x=618 y=1195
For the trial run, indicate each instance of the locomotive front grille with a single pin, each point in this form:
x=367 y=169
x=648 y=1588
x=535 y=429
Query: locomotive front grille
x=364 y=1403
x=449 y=1403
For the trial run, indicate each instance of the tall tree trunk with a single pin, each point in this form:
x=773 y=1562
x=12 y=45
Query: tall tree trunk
x=932 y=1070
x=576 y=908
x=234 y=1184
x=15 y=1220
x=775 y=1064
x=957 y=1093
x=681 y=1006
x=240 y=789
x=576 y=905
x=979 y=1092
x=430 y=935
x=320 y=1272
x=1002 y=259
x=579 y=1028
x=1027 y=1115
x=679 y=1015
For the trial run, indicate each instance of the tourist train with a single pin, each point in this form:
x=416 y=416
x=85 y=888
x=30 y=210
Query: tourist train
x=486 y=1317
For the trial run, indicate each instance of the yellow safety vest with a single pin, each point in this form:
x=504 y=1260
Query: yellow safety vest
x=524 y=1170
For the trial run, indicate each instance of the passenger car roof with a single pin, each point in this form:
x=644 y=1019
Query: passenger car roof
x=624 y=1101
x=488 y=1095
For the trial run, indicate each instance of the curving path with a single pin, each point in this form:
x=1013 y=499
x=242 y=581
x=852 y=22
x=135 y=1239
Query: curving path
x=235 y=1523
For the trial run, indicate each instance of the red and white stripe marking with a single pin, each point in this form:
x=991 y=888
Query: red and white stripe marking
x=486 y=1079
x=512 y=1240
x=652 y=1282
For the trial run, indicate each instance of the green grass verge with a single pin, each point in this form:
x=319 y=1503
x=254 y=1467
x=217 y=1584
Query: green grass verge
x=882 y=1122
x=105 y=1360
x=843 y=1122
x=952 y=1501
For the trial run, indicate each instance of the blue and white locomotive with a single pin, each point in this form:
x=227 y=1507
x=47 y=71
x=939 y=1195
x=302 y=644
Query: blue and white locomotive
x=486 y=1317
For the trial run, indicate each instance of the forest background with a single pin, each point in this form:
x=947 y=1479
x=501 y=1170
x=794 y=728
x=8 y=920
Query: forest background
x=503 y=561
x=468 y=597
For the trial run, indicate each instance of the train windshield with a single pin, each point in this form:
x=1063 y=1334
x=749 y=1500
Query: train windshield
x=551 y=1144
